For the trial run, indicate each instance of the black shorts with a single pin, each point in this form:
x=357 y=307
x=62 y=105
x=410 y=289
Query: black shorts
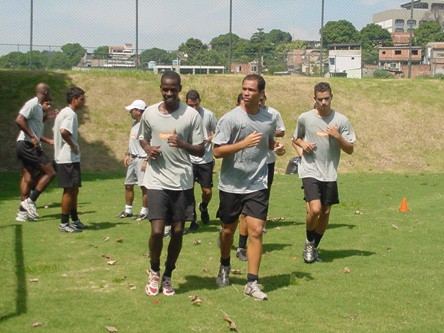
x=270 y=174
x=69 y=175
x=171 y=206
x=203 y=174
x=231 y=205
x=29 y=156
x=326 y=192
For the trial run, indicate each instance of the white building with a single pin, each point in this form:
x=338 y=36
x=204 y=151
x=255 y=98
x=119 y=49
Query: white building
x=345 y=60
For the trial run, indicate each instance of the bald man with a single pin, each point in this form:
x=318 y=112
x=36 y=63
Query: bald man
x=37 y=171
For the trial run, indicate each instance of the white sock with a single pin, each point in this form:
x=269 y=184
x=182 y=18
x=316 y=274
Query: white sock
x=144 y=210
x=128 y=209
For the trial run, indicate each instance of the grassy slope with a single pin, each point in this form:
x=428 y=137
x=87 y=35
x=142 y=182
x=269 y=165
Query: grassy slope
x=395 y=281
x=398 y=123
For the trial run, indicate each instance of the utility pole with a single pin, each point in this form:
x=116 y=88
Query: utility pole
x=322 y=39
x=30 y=35
x=230 y=51
x=410 y=40
x=137 y=34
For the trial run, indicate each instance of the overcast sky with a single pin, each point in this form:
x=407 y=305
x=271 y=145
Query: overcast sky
x=168 y=23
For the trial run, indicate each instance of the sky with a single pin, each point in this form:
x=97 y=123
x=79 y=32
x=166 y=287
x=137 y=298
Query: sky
x=168 y=23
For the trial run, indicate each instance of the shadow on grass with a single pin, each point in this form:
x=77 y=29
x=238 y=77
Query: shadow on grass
x=341 y=225
x=20 y=298
x=331 y=255
x=271 y=283
x=270 y=247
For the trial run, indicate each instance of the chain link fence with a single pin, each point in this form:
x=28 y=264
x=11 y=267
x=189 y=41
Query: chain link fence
x=212 y=36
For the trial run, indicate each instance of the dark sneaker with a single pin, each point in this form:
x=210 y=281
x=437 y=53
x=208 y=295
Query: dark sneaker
x=223 y=277
x=204 y=216
x=66 y=227
x=79 y=225
x=253 y=289
x=122 y=215
x=193 y=226
x=241 y=254
x=140 y=217
x=309 y=252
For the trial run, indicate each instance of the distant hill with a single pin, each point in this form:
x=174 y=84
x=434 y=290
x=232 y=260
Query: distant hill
x=399 y=123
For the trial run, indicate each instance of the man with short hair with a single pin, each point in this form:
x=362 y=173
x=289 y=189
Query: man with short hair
x=135 y=161
x=67 y=157
x=243 y=138
x=170 y=131
x=241 y=252
x=37 y=171
x=321 y=133
x=203 y=166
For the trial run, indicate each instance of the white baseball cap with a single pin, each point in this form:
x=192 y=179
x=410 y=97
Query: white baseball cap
x=137 y=104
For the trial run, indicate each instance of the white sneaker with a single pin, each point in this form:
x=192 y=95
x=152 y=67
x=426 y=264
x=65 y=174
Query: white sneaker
x=253 y=289
x=152 y=287
x=241 y=254
x=167 y=289
x=223 y=277
x=309 y=254
x=30 y=208
x=21 y=216
x=167 y=231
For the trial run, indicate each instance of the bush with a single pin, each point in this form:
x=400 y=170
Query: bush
x=382 y=74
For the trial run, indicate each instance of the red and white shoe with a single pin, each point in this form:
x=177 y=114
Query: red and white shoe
x=167 y=289
x=152 y=287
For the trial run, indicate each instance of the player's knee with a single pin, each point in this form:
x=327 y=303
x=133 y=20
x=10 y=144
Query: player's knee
x=256 y=231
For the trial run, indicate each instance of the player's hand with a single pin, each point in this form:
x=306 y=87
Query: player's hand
x=173 y=140
x=153 y=152
x=126 y=160
x=308 y=147
x=252 y=140
x=279 y=149
x=333 y=132
x=35 y=142
x=75 y=149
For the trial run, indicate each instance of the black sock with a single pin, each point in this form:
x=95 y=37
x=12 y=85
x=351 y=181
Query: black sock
x=204 y=205
x=225 y=262
x=155 y=266
x=317 y=238
x=243 y=241
x=168 y=269
x=310 y=235
x=65 y=218
x=252 y=277
x=34 y=195
x=74 y=215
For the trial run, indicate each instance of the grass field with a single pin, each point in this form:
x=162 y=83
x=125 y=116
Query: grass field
x=395 y=259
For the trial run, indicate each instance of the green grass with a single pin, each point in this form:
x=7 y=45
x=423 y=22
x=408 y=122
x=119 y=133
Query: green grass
x=395 y=281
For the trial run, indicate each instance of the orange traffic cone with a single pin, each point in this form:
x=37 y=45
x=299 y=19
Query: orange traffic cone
x=403 y=207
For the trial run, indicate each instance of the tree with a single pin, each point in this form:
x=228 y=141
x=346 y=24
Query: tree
x=160 y=56
x=428 y=32
x=59 y=60
x=221 y=43
x=372 y=36
x=342 y=31
x=289 y=47
x=75 y=52
x=277 y=37
x=193 y=48
x=102 y=52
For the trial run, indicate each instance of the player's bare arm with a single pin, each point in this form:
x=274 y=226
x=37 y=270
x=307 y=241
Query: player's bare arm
x=153 y=152
x=308 y=147
x=344 y=144
x=66 y=135
x=23 y=125
x=252 y=140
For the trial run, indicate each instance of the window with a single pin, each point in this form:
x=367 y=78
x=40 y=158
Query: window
x=238 y=69
x=353 y=58
x=397 y=52
x=399 y=23
x=399 y=30
x=253 y=68
x=411 y=23
x=332 y=61
x=415 y=52
x=383 y=52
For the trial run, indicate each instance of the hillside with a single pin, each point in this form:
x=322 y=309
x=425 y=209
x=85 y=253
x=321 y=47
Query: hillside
x=398 y=123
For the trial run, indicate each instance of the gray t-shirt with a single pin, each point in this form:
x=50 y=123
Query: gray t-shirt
x=33 y=113
x=271 y=158
x=172 y=170
x=134 y=147
x=66 y=119
x=322 y=163
x=209 y=123
x=245 y=171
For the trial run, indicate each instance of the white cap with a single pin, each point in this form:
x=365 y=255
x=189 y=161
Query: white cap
x=137 y=104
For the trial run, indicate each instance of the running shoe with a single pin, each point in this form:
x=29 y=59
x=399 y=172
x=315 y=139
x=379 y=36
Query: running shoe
x=124 y=214
x=140 y=217
x=204 y=216
x=30 y=208
x=253 y=289
x=152 y=286
x=167 y=289
x=241 y=254
x=79 y=225
x=309 y=252
x=167 y=231
x=193 y=226
x=223 y=277
x=66 y=227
